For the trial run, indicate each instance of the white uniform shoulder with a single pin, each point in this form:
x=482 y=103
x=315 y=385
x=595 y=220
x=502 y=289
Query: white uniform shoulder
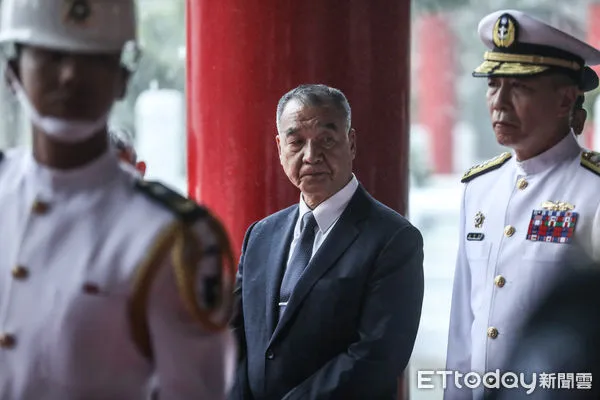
x=198 y=256
x=485 y=167
x=591 y=160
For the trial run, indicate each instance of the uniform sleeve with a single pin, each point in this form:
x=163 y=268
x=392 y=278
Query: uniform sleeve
x=190 y=360
x=461 y=317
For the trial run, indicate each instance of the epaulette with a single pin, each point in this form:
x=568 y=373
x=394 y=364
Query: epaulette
x=591 y=160
x=209 y=306
x=485 y=167
x=185 y=209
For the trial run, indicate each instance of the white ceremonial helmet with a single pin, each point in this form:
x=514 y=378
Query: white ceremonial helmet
x=78 y=26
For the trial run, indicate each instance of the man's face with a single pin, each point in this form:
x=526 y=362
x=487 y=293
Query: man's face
x=71 y=86
x=315 y=148
x=524 y=111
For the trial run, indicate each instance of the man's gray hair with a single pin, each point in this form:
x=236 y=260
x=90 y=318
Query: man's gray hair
x=316 y=95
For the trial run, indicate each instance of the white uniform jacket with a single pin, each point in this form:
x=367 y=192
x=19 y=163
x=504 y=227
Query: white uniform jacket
x=522 y=225
x=72 y=243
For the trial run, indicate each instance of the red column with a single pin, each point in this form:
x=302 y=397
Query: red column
x=244 y=55
x=435 y=87
x=593 y=38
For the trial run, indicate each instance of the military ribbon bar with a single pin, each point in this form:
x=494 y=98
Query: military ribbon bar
x=552 y=226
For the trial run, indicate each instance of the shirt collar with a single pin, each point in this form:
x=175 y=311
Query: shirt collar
x=331 y=209
x=567 y=148
x=97 y=173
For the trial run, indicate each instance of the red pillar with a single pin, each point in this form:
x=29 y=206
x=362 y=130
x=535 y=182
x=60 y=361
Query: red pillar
x=593 y=38
x=244 y=55
x=435 y=87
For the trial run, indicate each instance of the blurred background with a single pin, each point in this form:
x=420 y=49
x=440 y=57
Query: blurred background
x=450 y=129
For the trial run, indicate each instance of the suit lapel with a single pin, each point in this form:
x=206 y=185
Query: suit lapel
x=281 y=237
x=339 y=239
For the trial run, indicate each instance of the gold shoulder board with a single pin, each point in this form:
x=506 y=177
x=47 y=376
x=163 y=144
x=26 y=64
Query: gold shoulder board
x=591 y=160
x=185 y=209
x=485 y=167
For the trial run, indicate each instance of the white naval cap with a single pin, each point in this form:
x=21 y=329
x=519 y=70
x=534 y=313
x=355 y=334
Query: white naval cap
x=522 y=45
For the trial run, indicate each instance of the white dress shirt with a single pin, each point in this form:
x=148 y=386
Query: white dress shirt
x=326 y=214
x=501 y=272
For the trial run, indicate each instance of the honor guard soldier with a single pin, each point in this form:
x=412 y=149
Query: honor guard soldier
x=529 y=212
x=110 y=287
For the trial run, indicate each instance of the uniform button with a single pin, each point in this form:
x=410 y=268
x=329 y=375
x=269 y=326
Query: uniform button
x=7 y=341
x=509 y=230
x=270 y=354
x=20 y=272
x=492 y=332
x=522 y=183
x=500 y=281
x=40 y=207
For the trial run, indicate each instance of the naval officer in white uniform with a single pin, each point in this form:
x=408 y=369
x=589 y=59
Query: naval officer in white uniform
x=530 y=211
x=107 y=283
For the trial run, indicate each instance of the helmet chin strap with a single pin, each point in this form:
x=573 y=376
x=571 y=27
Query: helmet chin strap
x=60 y=129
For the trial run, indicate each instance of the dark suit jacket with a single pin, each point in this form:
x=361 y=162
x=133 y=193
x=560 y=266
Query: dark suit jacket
x=351 y=322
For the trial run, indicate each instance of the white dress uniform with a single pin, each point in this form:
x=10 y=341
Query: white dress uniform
x=75 y=247
x=523 y=223
x=506 y=259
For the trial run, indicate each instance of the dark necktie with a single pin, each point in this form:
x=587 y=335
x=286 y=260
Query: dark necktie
x=299 y=260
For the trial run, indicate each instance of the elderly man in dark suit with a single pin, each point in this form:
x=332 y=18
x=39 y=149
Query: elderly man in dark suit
x=330 y=290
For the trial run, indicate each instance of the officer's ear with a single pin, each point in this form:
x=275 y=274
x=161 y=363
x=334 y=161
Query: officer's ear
x=568 y=96
x=578 y=121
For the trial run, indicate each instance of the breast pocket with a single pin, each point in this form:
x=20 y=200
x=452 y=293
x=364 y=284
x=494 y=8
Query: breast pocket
x=550 y=253
x=478 y=256
x=334 y=302
x=88 y=331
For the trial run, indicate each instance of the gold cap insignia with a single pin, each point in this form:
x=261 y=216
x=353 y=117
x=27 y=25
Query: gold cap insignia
x=77 y=11
x=505 y=31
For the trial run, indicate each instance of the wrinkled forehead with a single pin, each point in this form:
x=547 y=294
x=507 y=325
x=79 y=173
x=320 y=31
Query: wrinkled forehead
x=302 y=114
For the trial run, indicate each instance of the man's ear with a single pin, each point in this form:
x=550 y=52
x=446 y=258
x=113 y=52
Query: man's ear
x=352 y=140
x=123 y=82
x=278 y=144
x=568 y=97
x=578 y=121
